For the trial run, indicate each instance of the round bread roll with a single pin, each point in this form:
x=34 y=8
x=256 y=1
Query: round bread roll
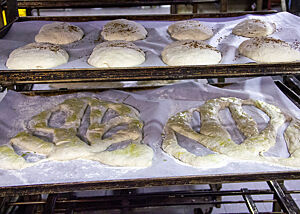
x=254 y=28
x=268 y=50
x=37 y=56
x=190 y=52
x=60 y=33
x=190 y=29
x=116 y=54
x=122 y=29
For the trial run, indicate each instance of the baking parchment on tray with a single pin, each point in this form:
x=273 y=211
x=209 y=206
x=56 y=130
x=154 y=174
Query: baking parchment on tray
x=155 y=107
x=23 y=33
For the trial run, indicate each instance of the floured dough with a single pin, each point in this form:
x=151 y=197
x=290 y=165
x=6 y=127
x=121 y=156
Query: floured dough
x=216 y=138
x=122 y=29
x=60 y=33
x=190 y=52
x=37 y=56
x=268 y=50
x=116 y=54
x=65 y=143
x=190 y=29
x=254 y=28
x=10 y=160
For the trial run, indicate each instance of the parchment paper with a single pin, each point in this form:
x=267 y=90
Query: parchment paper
x=23 y=33
x=155 y=107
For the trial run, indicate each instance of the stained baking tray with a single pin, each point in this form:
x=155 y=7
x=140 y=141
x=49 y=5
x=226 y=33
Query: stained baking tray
x=153 y=181
x=12 y=77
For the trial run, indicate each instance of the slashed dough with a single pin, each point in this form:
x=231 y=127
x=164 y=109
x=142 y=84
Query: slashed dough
x=116 y=54
x=254 y=28
x=37 y=56
x=65 y=144
x=190 y=52
x=268 y=50
x=190 y=29
x=59 y=33
x=216 y=138
x=123 y=29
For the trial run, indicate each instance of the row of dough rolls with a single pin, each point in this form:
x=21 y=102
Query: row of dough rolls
x=119 y=51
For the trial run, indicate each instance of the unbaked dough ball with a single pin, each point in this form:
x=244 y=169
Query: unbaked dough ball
x=190 y=52
x=37 y=56
x=59 y=33
x=254 y=28
x=190 y=29
x=122 y=29
x=268 y=50
x=116 y=54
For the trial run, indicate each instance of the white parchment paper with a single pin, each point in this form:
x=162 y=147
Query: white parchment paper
x=155 y=107
x=23 y=33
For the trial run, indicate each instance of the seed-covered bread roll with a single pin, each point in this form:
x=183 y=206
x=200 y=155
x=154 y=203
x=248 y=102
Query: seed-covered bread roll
x=190 y=29
x=60 y=33
x=268 y=50
x=122 y=29
x=190 y=52
x=37 y=56
x=254 y=28
x=116 y=54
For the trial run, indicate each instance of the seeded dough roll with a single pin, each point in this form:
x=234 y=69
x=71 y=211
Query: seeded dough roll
x=37 y=56
x=190 y=29
x=60 y=33
x=116 y=54
x=122 y=29
x=190 y=52
x=254 y=28
x=268 y=50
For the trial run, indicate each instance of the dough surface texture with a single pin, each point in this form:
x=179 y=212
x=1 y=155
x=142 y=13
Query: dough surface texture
x=37 y=56
x=190 y=29
x=215 y=137
x=268 y=50
x=254 y=28
x=59 y=33
x=68 y=143
x=116 y=54
x=190 y=52
x=123 y=29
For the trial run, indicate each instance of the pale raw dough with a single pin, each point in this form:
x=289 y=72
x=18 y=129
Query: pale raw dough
x=190 y=52
x=216 y=138
x=122 y=29
x=10 y=160
x=190 y=29
x=37 y=56
x=254 y=28
x=60 y=33
x=66 y=145
x=268 y=50
x=116 y=54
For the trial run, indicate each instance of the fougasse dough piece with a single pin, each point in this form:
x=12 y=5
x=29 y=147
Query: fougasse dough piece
x=10 y=160
x=268 y=50
x=65 y=143
x=216 y=138
x=116 y=54
x=190 y=52
x=254 y=28
x=123 y=29
x=60 y=33
x=37 y=56
x=190 y=29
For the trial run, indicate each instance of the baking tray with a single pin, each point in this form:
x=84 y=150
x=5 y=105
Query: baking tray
x=12 y=77
x=154 y=181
